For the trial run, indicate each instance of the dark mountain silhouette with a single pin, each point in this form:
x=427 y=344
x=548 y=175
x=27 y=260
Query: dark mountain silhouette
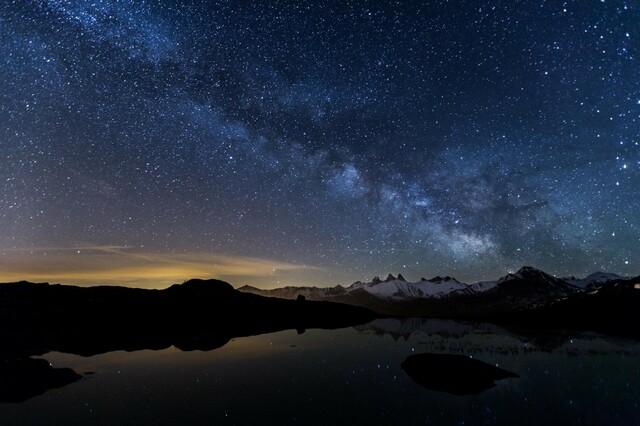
x=454 y=374
x=611 y=308
x=199 y=314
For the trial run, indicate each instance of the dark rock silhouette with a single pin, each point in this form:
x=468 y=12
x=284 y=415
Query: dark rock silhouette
x=24 y=378
x=454 y=374
x=612 y=308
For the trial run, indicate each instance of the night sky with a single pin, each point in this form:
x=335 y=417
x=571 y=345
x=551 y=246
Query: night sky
x=310 y=142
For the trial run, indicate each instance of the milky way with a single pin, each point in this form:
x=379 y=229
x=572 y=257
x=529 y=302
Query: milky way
x=335 y=141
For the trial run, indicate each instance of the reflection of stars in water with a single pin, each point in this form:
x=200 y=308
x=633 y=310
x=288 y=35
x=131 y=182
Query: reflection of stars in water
x=354 y=138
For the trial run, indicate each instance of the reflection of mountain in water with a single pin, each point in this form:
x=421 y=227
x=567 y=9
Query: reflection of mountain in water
x=454 y=374
x=451 y=336
x=21 y=379
x=405 y=327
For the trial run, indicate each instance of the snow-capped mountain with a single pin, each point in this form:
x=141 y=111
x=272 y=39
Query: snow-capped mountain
x=541 y=280
x=399 y=288
x=391 y=288
x=595 y=279
x=526 y=286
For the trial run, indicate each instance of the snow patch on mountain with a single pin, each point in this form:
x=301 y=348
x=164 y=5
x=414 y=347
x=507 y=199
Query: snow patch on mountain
x=399 y=288
x=482 y=286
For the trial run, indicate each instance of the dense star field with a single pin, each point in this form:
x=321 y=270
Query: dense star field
x=311 y=142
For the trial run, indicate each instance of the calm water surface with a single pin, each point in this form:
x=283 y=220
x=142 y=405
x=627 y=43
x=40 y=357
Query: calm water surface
x=347 y=376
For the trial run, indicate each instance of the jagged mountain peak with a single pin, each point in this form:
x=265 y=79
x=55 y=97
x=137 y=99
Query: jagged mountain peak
x=526 y=284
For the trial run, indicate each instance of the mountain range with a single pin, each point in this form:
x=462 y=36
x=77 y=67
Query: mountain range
x=526 y=290
x=399 y=289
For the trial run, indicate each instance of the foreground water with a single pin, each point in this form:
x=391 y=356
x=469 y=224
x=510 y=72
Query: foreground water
x=348 y=376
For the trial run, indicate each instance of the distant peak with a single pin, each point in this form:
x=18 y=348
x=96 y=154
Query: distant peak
x=390 y=277
x=527 y=270
x=247 y=287
x=199 y=285
x=438 y=279
x=400 y=277
x=376 y=280
x=532 y=274
x=601 y=274
x=596 y=278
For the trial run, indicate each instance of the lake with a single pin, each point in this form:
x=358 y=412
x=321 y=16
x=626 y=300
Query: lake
x=349 y=376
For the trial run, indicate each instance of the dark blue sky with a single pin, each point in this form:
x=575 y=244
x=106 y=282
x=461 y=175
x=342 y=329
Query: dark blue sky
x=331 y=141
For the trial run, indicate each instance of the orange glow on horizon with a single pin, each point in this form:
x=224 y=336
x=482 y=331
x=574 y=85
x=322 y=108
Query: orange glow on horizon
x=114 y=265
